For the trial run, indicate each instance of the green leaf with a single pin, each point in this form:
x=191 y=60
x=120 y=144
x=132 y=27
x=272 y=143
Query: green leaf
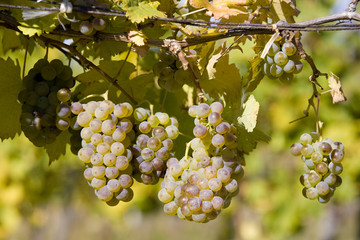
x=58 y=148
x=249 y=140
x=222 y=78
x=249 y=116
x=143 y=11
x=141 y=84
x=10 y=40
x=205 y=50
x=103 y=49
x=256 y=73
x=10 y=108
x=109 y=67
x=284 y=10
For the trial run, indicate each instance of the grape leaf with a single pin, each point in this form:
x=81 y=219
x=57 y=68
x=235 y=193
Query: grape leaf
x=222 y=77
x=336 y=90
x=248 y=140
x=58 y=148
x=141 y=84
x=10 y=108
x=29 y=31
x=109 y=67
x=10 y=40
x=143 y=11
x=219 y=9
x=249 y=116
x=256 y=74
x=137 y=38
x=204 y=52
x=284 y=10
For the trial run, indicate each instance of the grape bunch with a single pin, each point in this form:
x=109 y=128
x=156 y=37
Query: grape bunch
x=107 y=133
x=170 y=74
x=282 y=61
x=198 y=187
x=88 y=23
x=322 y=166
x=44 y=110
x=154 y=144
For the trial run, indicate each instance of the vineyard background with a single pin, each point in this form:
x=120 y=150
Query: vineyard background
x=38 y=201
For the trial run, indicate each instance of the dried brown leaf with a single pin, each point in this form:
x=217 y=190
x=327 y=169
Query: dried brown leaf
x=336 y=90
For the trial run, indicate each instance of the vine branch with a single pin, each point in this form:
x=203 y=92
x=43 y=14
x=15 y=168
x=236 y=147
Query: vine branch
x=227 y=29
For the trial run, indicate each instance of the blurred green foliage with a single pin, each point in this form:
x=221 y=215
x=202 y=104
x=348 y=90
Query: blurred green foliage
x=38 y=201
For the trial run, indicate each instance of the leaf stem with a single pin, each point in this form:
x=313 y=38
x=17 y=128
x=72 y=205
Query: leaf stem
x=123 y=64
x=25 y=57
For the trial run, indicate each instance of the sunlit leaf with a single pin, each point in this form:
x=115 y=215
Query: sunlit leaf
x=249 y=116
x=137 y=38
x=143 y=11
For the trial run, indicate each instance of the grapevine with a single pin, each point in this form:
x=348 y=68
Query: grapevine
x=106 y=59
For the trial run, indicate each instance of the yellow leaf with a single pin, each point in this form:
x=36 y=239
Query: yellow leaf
x=29 y=31
x=137 y=38
x=249 y=116
x=219 y=9
x=199 y=3
x=336 y=90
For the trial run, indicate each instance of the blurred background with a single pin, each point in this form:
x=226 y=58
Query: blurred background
x=39 y=202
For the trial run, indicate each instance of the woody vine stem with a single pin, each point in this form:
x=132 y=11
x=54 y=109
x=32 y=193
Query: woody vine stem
x=227 y=29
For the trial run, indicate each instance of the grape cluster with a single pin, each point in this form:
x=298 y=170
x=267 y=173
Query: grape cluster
x=199 y=186
x=170 y=74
x=88 y=23
x=154 y=144
x=282 y=61
x=322 y=166
x=44 y=110
x=107 y=133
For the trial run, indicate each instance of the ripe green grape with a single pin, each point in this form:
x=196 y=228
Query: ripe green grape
x=42 y=88
x=289 y=48
x=200 y=131
x=336 y=155
x=203 y=110
x=276 y=70
x=298 y=67
x=48 y=73
x=86 y=28
x=273 y=49
x=218 y=141
x=76 y=108
x=63 y=110
x=281 y=58
x=64 y=94
x=140 y=114
x=62 y=123
x=289 y=67
x=214 y=118
x=99 y=24
x=172 y=131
